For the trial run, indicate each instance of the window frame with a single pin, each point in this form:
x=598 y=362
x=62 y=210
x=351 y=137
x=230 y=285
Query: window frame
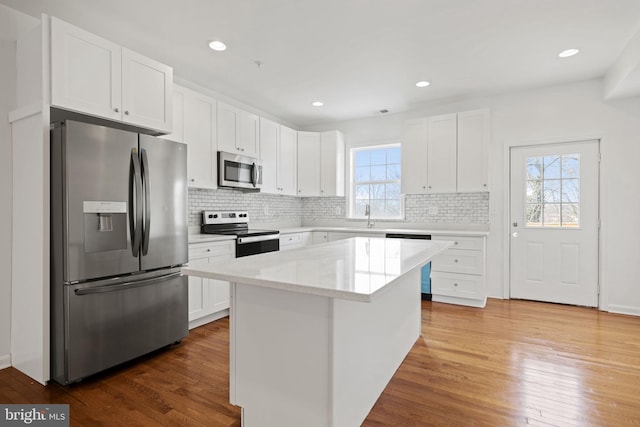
x=350 y=194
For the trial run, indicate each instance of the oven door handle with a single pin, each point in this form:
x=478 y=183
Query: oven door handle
x=253 y=239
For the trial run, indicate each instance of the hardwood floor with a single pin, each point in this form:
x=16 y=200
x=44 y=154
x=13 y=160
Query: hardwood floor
x=512 y=363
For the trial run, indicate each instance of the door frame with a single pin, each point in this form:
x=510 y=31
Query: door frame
x=506 y=205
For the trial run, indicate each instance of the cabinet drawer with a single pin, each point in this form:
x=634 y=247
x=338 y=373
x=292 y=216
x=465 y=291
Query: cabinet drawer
x=457 y=285
x=205 y=250
x=467 y=243
x=291 y=239
x=459 y=261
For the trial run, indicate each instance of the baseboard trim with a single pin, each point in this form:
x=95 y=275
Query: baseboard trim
x=5 y=361
x=624 y=309
x=207 y=319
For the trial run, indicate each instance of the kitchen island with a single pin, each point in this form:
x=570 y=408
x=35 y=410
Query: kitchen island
x=317 y=333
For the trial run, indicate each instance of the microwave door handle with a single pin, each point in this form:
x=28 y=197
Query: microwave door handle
x=254 y=174
x=135 y=202
x=147 y=203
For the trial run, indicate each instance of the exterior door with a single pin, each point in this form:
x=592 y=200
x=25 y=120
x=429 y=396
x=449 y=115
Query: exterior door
x=554 y=223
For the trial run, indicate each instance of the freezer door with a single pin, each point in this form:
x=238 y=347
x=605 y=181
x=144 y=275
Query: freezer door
x=164 y=170
x=95 y=199
x=111 y=322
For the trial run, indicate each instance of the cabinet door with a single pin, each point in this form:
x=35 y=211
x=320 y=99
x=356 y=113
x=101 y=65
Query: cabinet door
x=414 y=157
x=228 y=124
x=85 y=72
x=332 y=164
x=147 y=87
x=473 y=155
x=199 y=128
x=249 y=135
x=198 y=292
x=441 y=153
x=287 y=161
x=269 y=135
x=308 y=164
x=219 y=291
x=319 y=237
x=178 y=116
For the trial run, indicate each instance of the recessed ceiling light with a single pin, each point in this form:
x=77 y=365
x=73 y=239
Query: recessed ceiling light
x=569 y=52
x=217 y=45
x=423 y=83
x=317 y=103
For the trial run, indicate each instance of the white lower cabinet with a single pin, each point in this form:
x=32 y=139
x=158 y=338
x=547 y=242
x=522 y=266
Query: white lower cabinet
x=294 y=240
x=458 y=274
x=208 y=298
x=319 y=237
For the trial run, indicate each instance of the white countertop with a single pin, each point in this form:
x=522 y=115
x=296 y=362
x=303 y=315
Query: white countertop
x=383 y=231
x=356 y=269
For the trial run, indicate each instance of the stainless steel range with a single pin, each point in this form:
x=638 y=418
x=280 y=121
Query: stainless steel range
x=248 y=241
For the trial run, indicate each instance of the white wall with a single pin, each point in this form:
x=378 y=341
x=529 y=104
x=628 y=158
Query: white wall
x=575 y=111
x=12 y=24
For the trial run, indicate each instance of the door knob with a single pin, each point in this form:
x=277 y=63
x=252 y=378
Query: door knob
x=515 y=224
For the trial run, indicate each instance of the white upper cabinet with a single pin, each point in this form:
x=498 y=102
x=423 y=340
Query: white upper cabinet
x=308 y=164
x=473 y=155
x=269 y=137
x=287 y=161
x=441 y=153
x=199 y=133
x=279 y=158
x=332 y=164
x=238 y=131
x=93 y=76
x=414 y=155
x=446 y=154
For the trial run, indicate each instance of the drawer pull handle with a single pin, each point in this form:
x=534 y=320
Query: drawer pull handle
x=455 y=284
x=455 y=243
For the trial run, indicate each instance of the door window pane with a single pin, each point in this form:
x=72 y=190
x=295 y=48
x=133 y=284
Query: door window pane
x=553 y=191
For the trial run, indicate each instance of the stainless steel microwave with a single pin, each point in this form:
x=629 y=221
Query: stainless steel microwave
x=240 y=172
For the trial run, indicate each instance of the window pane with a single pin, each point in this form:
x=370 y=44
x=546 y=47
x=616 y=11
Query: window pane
x=552 y=193
x=571 y=166
x=358 y=208
x=570 y=215
x=378 y=173
x=363 y=158
x=534 y=168
x=552 y=167
x=393 y=208
x=534 y=214
x=363 y=173
x=571 y=190
x=393 y=172
x=362 y=192
x=534 y=191
x=377 y=191
x=551 y=215
x=393 y=191
x=378 y=157
x=377 y=207
x=393 y=155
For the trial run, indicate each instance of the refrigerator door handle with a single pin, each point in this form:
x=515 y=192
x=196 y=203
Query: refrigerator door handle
x=147 y=202
x=135 y=205
x=126 y=285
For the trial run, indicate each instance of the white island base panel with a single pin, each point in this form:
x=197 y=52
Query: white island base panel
x=299 y=359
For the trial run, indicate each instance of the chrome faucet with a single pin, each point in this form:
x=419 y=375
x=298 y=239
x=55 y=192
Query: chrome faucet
x=367 y=212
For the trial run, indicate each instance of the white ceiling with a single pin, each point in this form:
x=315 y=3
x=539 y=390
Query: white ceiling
x=360 y=56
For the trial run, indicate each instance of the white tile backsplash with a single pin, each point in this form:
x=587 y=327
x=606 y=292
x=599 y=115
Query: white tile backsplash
x=449 y=208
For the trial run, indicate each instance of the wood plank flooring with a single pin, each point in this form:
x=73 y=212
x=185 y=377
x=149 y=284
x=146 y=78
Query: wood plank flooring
x=514 y=363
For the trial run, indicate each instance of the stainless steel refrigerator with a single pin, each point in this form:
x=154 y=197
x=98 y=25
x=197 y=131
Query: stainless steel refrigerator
x=118 y=239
